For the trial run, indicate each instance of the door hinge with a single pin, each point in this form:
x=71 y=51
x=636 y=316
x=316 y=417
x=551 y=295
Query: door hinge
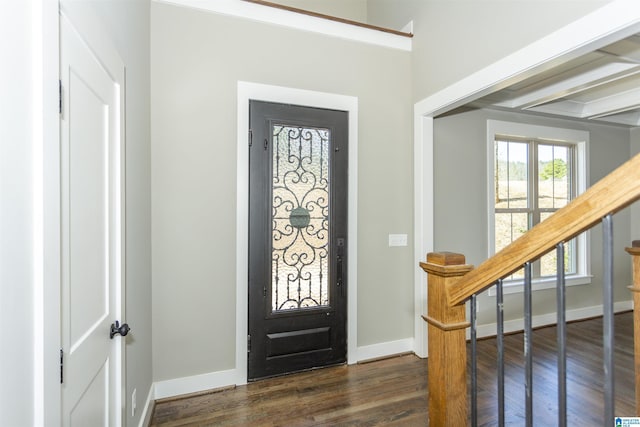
x=264 y=292
x=61 y=366
x=60 y=97
x=248 y=343
x=250 y=137
x=266 y=144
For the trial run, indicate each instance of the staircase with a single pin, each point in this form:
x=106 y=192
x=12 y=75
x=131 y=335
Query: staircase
x=452 y=282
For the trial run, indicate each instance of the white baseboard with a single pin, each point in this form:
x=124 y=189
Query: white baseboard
x=516 y=325
x=195 y=384
x=147 y=411
x=219 y=379
x=376 y=351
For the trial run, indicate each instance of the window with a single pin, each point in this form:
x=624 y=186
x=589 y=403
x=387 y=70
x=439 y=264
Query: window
x=535 y=171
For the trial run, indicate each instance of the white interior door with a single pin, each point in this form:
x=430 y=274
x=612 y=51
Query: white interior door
x=91 y=235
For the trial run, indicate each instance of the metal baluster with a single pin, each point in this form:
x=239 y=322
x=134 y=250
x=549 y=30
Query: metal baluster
x=474 y=363
x=607 y=325
x=528 y=380
x=500 y=343
x=561 y=336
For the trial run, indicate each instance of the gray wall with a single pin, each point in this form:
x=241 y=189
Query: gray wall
x=455 y=38
x=394 y=14
x=460 y=201
x=196 y=60
x=127 y=24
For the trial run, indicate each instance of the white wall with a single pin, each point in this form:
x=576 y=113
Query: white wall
x=17 y=168
x=197 y=59
x=461 y=210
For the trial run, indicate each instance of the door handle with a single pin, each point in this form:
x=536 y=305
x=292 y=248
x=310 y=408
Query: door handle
x=116 y=328
x=339 y=267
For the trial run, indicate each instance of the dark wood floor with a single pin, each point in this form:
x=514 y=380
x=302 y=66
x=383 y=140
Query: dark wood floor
x=394 y=392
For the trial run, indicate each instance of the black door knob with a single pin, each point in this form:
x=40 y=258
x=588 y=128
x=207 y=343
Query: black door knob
x=116 y=328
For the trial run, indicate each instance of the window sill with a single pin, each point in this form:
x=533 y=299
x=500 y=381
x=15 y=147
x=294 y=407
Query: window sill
x=517 y=286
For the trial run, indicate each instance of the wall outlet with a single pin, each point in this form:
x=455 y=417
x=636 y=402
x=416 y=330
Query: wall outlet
x=134 y=402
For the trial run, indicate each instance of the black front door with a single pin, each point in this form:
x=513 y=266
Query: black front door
x=298 y=159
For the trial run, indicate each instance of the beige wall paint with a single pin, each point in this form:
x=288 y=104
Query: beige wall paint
x=461 y=203
x=455 y=38
x=197 y=59
x=356 y=10
x=394 y=14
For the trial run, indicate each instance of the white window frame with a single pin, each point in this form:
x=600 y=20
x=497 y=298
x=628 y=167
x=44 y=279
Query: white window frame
x=580 y=139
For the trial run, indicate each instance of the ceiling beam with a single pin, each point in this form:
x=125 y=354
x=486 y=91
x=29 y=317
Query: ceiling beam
x=615 y=104
x=569 y=83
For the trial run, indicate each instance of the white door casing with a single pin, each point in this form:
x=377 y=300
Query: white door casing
x=92 y=277
x=279 y=94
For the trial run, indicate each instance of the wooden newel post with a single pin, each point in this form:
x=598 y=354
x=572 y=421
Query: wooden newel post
x=447 y=362
x=634 y=250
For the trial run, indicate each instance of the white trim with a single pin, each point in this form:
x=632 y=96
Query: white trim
x=219 y=379
x=516 y=325
x=580 y=140
x=612 y=22
x=49 y=386
x=37 y=193
x=254 y=91
x=422 y=223
x=149 y=404
x=517 y=286
x=285 y=18
x=194 y=384
x=385 y=349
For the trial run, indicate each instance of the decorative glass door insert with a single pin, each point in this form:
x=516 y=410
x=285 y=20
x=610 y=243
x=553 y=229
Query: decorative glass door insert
x=300 y=217
x=298 y=175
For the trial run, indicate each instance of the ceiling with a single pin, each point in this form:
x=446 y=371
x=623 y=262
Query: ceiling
x=603 y=85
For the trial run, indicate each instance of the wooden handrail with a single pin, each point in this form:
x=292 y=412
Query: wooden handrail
x=330 y=18
x=614 y=192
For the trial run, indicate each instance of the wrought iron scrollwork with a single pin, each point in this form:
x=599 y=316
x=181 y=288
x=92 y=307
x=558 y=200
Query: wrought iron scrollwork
x=300 y=215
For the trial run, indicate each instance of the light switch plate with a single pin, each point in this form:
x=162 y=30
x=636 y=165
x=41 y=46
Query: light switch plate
x=397 y=240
